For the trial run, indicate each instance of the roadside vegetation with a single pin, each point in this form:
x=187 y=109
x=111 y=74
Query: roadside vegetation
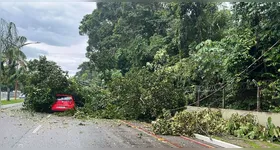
x=144 y=58
x=208 y=122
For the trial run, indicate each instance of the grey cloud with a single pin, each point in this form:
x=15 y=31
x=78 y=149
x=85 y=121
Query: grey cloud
x=49 y=38
x=71 y=67
x=52 y=23
x=55 y=25
x=32 y=53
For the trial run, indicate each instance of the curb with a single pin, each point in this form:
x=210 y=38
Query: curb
x=153 y=135
x=194 y=141
x=216 y=142
x=11 y=105
x=176 y=145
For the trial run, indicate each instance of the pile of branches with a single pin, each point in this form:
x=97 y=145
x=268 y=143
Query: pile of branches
x=208 y=122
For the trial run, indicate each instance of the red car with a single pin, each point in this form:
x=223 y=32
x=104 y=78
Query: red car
x=63 y=102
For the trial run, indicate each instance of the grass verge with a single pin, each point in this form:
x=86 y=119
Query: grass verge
x=5 y=102
x=247 y=143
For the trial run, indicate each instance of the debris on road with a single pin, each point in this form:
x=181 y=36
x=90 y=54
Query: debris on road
x=82 y=124
x=140 y=135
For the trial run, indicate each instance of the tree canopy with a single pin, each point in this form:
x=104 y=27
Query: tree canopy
x=192 y=46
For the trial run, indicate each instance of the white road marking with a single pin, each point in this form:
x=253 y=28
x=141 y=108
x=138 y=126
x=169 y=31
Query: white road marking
x=37 y=129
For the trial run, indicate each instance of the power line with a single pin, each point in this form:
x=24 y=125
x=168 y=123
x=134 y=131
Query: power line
x=239 y=73
x=259 y=58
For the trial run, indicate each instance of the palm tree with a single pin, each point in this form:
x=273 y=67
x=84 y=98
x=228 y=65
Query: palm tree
x=7 y=34
x=14 y=60
x=13 y=57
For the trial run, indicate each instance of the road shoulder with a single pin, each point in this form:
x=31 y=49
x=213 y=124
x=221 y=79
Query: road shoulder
x=11 y=105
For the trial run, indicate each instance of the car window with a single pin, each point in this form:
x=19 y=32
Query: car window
x=63 y=98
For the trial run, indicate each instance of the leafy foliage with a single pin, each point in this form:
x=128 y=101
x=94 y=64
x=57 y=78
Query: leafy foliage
x=188 y=123
x=44 y=80
x=12 y=59
x=144 y=57
x=129 y=34
x=143 y=94
x=208 y=122
x=143 y=42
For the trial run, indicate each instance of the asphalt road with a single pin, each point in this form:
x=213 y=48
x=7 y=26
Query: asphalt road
x=21 y=129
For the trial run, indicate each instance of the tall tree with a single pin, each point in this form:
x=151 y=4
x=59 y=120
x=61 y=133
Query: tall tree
x=126 y=35
x=262 y=19
x=13 y=57
x=14 y=63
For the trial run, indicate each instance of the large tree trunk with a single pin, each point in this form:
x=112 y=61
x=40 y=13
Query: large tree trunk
x=8 y=94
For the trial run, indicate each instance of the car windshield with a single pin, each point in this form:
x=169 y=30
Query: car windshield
x=63 y=98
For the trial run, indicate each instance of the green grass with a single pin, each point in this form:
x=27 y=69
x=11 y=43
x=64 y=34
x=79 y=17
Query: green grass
x=218 y=138
x=273 y=145
x=12 y=101
x=252 y=143
x=247 y=143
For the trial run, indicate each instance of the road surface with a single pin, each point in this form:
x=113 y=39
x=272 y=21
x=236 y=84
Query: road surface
x=22 y=129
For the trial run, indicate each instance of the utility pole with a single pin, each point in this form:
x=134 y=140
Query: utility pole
x=258 y=95
x=16 y=87
x=223 y=104
x=0 y=74
x=198 y=95
x=258 y=99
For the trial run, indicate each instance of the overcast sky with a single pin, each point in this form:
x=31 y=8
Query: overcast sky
x=55 y=25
